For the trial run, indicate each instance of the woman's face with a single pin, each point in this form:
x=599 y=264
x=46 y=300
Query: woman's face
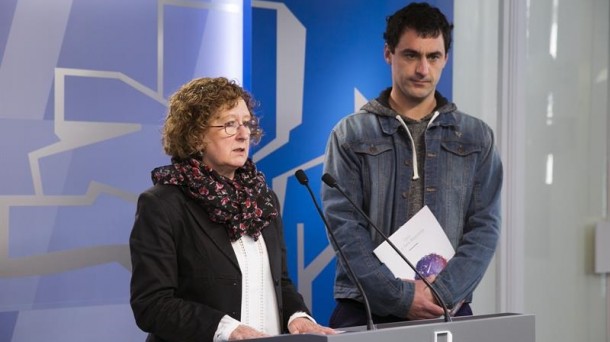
x=225 y=153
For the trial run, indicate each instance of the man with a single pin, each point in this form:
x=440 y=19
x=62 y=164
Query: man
x=408 y=148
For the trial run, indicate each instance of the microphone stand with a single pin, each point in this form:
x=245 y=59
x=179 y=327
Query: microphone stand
x=302 y=178
x=331 y=182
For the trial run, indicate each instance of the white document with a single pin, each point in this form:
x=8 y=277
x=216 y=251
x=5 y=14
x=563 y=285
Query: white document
x=423 y=242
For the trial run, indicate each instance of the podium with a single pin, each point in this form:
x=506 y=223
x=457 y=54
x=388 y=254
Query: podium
x=506 y=327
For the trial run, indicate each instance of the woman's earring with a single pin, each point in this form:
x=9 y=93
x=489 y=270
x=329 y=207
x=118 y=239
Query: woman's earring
x=198 y=155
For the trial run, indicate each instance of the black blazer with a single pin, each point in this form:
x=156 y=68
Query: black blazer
x=185 y=274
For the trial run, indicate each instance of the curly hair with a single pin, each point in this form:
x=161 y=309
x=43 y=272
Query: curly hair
x=427 y=21
x=194 y=106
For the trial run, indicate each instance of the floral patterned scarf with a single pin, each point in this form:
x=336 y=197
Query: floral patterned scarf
x=244 y=205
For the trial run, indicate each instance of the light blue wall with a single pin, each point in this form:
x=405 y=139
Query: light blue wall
x=83 y=89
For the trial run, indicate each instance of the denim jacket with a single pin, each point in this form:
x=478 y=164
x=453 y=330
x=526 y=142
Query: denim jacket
x=370 y=155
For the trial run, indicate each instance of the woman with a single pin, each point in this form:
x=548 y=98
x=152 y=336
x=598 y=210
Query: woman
x=207 y=244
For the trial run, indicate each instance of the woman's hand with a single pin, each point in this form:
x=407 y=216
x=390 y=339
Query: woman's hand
x=303 y=325
x=244 y=332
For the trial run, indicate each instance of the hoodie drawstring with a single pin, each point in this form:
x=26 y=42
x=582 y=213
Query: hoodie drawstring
x=414 y=154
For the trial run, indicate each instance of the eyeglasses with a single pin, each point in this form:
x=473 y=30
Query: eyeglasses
x=232 y=126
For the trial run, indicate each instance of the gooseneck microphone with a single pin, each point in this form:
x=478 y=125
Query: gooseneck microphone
x=331 y=182
x=302 y=178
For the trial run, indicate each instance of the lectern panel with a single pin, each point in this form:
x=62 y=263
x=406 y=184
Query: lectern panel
x=507 y=327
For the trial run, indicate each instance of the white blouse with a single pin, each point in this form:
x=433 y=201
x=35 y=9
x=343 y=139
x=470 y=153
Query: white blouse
x=257 y=292
x=258 y=306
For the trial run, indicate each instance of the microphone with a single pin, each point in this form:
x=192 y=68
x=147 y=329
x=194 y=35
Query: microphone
x=302 y=178
x=331 y=182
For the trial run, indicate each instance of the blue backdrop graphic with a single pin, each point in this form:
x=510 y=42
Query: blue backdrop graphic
x=83 y=92
x=341 y=66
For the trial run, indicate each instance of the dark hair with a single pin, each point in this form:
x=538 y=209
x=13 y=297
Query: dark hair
x=426 y=20
x=194 y=106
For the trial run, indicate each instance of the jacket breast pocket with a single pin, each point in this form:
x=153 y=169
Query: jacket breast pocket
x=461 y=159
x=371 y=149
x=376 y=159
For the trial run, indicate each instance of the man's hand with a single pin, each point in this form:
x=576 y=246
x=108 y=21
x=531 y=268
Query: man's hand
x=424 y=305
x=302 y=325
x=244 y=332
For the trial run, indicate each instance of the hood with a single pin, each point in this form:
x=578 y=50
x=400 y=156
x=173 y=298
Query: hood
x=381 y=106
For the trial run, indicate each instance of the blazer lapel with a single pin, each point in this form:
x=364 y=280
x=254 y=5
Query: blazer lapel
x=272 y=244
x=214 y=231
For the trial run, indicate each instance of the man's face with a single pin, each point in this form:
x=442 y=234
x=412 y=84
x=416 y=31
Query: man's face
x=417 y=64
